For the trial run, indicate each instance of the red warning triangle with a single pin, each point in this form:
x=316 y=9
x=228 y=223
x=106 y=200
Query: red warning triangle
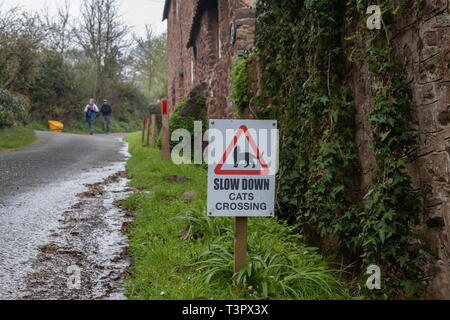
x=265 y=169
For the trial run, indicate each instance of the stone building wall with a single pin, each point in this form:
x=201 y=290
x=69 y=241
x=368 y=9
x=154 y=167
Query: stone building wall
x=178 y=62
x=206 y=47
x=200 y=52
x=242 y=14
x=424 y=44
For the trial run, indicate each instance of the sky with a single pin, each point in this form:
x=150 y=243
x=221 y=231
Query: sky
x=136 y=13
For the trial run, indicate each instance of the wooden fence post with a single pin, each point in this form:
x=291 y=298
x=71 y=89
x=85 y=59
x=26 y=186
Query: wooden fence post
x=154 y=130
x=165 y=150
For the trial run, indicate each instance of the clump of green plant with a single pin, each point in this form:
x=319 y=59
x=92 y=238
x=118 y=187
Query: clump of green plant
x=279 y=266
x=177 y=122
x=200 y=225
x=184 y=117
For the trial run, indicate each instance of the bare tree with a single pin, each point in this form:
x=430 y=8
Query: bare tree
x=150 y=58
x=101 y=35
x=60 y=33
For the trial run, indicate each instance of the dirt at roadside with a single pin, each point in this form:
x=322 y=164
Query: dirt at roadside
x=90 y=239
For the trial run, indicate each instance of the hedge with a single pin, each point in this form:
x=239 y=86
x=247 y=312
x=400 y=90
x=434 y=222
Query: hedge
x=13 y=110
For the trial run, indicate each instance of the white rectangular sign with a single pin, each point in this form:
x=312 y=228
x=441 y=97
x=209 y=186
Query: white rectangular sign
x=242 y=164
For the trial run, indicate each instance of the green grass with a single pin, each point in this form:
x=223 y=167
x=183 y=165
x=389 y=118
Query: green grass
x=16 y=137
x=80 y=127
x=180 y=253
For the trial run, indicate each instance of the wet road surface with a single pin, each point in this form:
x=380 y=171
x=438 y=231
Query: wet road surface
x=58 y=209
x=55 y=156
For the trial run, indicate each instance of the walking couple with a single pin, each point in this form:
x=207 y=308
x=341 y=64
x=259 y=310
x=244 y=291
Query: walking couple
x=91 y=111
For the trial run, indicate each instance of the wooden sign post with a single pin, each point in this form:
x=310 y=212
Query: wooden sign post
x=154 y=130
x=240 y=243
x=165 y=148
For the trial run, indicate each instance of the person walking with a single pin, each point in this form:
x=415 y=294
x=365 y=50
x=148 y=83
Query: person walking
x=106 y=116
x=91 y=111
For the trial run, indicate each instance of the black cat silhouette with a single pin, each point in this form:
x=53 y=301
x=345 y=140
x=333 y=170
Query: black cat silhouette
x=245 y=156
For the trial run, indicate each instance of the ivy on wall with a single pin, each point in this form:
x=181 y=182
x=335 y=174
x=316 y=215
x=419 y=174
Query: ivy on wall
x=302 y=63
x=241 y=73
x=390 y=209
x=302 y=79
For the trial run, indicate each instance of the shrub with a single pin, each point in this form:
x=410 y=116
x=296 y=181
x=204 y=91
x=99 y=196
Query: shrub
x=189 y=110
x=13 y=109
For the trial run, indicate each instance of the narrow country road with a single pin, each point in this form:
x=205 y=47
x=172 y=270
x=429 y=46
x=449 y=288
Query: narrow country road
x=55 y=156
x=57 y=209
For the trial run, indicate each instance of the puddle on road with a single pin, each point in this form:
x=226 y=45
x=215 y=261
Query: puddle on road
x=70 y=223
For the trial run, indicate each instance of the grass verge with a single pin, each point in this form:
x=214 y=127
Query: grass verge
x=16 y=137
x=180 y=253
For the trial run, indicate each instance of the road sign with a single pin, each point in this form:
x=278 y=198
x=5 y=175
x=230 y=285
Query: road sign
x=242 y=159
x=233 y=147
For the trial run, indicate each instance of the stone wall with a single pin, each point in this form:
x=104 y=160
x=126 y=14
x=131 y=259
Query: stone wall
x=206 y=47
x=179 y=55
x=426 y=48
x=200 y=51
x=424 y=44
